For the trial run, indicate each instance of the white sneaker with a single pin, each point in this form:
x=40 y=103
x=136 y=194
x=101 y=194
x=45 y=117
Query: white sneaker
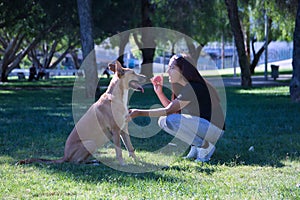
x=193 y=153
x=204 y=154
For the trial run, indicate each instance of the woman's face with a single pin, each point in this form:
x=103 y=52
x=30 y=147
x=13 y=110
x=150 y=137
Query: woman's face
x=174 y=72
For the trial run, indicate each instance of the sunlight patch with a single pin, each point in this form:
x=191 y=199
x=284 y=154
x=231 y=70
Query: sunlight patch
x=7 y=92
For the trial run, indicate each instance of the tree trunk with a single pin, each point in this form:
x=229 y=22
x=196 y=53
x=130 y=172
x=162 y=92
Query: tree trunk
x=232 y=10
x=295 y=82
x=11 y=60
x=194 y=51
x=11 y=49
x=146 y=46
x=75 y=58
x=87 y=42
x=148 y=52
x=247 y=38
x=63 y=55
x=148 y=42
x=49 y=55
x=123 y=40
x=256 y=56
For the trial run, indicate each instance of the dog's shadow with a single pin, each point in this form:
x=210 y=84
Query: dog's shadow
x=99 y=172
x=107 y=169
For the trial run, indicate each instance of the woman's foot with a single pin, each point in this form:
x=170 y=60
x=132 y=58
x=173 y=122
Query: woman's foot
x=193 y=153
x=205 y=152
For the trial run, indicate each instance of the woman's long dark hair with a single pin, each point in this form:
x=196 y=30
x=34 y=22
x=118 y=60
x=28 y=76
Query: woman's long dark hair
x=191 y=74
x=188 y=70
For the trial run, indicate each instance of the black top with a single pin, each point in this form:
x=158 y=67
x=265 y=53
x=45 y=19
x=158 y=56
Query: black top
x=201 y=103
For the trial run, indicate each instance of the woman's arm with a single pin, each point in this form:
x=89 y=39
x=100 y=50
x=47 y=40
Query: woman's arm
x=163 y=99
x=173 y=107
x=157 y=82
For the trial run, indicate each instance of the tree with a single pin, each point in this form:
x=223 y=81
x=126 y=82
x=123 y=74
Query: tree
x=232 y=9
x=295 y=82
x=251 y=16
x=13 y=53
x=253 y=32
x=197 y=19
x=146 y=43
x=25 y=22
x=65 y=37
x=281 y=19
x=87 y=43
x=33 y=24
x=43 y=54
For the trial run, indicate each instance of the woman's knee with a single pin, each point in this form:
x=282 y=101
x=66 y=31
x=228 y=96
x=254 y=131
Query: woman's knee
x=170 y=122
x=162 y=122
x=173 y=121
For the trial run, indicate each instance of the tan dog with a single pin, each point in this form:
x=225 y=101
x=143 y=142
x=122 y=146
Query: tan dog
x=105 y=120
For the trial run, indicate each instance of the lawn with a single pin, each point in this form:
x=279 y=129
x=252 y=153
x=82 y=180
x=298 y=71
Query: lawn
x=35 y=121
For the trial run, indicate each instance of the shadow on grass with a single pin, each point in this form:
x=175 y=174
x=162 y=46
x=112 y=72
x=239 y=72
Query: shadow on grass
x=102 y=173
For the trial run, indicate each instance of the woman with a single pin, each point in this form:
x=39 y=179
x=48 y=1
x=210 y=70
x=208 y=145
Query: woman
x=193 y=114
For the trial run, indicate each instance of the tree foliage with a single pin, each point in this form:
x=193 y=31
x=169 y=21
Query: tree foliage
x=20 y=21
x=114 y=16
x=201 y=20
x=26 y=24
x=39 y=25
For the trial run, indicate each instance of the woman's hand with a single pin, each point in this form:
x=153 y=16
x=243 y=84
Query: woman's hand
x=132 y=113
x=157 y=82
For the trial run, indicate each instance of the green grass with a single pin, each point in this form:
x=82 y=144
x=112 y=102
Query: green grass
x=35 y=122
x=59 y=81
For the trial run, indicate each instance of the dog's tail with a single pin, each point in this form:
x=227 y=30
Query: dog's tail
x=39 y=160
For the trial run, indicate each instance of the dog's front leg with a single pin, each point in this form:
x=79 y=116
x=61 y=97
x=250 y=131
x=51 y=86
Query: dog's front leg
x=127 y=142
x=117 y=143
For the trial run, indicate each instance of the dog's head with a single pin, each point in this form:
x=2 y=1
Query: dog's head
x=131 y=79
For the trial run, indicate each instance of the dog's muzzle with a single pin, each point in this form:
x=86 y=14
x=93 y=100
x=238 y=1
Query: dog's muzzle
x=136 y=86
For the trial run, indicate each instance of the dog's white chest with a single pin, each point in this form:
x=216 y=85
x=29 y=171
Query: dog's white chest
x=125 y=98
x=119 y=108
x=125 y=102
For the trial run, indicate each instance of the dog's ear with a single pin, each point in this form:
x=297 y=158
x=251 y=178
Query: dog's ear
x=116 y=68
x=119 y=69
x=112 y=67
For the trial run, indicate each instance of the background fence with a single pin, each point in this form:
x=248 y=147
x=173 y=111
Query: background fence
x=276 y=51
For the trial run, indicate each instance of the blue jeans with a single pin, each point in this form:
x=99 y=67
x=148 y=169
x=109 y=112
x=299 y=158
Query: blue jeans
x=190 y=129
